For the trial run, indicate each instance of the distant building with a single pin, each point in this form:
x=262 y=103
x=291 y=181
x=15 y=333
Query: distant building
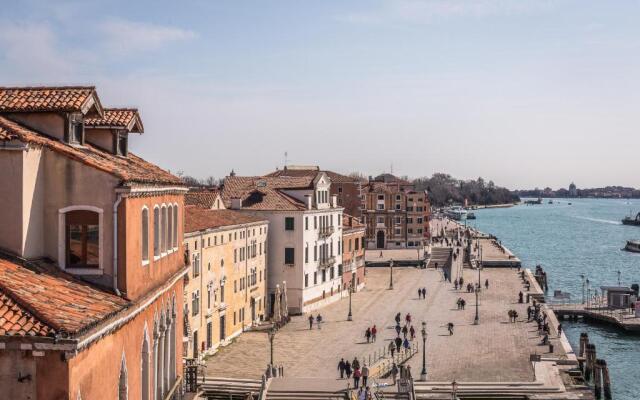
x=396 y=215
x=347 y=189
x=573 y=190
x=305 y=235
x=353 y=245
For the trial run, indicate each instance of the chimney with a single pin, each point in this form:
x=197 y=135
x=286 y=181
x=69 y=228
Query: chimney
x=236 y=203
x=334 y=200
x=307 y=199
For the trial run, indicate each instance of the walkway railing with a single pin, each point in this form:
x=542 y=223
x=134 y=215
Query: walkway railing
x=380 y=361
x=598 y=309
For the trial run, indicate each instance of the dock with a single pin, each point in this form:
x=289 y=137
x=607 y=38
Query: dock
x=622 y=318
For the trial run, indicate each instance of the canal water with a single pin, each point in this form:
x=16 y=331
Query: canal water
x=585 y=237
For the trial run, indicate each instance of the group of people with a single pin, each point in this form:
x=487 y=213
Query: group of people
x=360 y=374
x=371 y=333
x=461 y=303
x=422 y=293
x=513 y=315
x=318 y=320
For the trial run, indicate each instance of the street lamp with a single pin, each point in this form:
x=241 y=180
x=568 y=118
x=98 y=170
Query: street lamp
x=582 y=276
x=588 y=293
x=454 y=390
x=423 y=374
x=350 y=316
x=272 y=336
x=476 y=320
x=618 y=277
x=391 y=274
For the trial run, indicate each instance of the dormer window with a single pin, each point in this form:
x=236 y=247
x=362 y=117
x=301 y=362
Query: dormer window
x=121 y=140
x=75 y=133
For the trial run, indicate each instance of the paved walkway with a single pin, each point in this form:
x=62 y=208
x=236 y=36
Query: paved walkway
x=495 y=350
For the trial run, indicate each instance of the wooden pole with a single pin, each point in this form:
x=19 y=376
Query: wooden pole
x=606 y=381
x=588 y=370
x=597 y=378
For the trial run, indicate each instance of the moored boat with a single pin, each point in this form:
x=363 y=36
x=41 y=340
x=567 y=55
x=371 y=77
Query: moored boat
x=471 y=215
x=456 y=213
x=633 y=246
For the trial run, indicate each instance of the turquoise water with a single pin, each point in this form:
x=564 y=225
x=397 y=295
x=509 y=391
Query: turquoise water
x=569 y=240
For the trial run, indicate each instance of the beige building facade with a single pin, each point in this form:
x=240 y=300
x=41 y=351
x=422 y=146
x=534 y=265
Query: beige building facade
x=225 y=287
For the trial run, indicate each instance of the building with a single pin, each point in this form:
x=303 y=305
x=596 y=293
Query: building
x=396 y=215
x=225 y=288
x=305 y=234
x=573 y=190
x=353 y=245
x=91 y=260
x=347 y=189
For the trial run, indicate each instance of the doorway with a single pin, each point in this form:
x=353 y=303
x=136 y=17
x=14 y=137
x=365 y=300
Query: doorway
x=380 y=240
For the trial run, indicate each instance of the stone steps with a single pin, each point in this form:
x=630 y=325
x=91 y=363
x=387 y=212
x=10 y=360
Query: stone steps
x=229 y=388
x=440 y=255
x=426 y=390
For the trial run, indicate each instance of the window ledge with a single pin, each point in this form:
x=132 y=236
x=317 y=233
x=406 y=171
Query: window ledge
x=145 y=263
x=84 y=271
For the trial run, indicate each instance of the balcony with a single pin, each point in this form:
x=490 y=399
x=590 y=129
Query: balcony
x=325 y=231
x=327 y=262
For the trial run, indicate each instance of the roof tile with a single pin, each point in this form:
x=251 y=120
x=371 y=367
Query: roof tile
x=198 y=219
x=25 y=99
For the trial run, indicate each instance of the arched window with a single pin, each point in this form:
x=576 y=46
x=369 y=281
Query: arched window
x=145 y=366
x=80 y=237
x=170 y=228
x=123 y=388
x=175 y=226
x=145 y=234
x=163 y=230
x=156 y=231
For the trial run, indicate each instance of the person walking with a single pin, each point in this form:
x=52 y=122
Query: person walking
x=398 y=318
x=412 y=331
x=461 y=281
x=392 y=348
x=406 y=344
x=365 y=375
x=419 y=293
x=424 y=293
x=310 y=321
x=356 y=377
x=398 y=329
x=319 y=320
x=355 y=363
x=367 y=334
x=559 y=330
x=398 y=343
x=450 y=328
x=394 y=373
x=341 y=368
x=347 y=369
x=463 y=303
x=405 y=331
x=408 y=319
x=486 y=284
x=455 y=284
x=374 y=332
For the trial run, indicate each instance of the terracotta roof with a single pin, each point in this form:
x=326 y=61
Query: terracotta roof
x=265 y=193
x=389 y=178
x=17 y=321
x=351 y=222
x=130 y=169
x=334 y=176
x=204 y=198
x=199 y=219
x=55 y=301
x=34 y=99
x=126 y=118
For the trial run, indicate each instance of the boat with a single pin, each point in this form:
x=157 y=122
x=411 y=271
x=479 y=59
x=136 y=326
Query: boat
x=456 y=213
x=570 y=203
x=633 y=246
x=550 y=201
x=471 y=215
x=632 y=221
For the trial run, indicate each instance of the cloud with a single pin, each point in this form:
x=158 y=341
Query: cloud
x=31 y=49
x=122 y=36
x=426 y=11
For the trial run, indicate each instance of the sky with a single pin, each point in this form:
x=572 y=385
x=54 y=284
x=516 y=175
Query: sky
x=525 y=93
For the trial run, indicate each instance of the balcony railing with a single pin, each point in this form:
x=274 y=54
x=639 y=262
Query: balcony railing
x=325 y=231
x=327 y=262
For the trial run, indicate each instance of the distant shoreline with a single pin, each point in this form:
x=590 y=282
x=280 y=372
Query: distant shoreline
x=505 y=205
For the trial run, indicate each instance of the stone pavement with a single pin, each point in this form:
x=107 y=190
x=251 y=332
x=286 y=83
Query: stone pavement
x=495 y=350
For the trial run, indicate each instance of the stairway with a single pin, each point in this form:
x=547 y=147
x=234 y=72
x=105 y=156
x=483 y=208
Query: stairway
x=474 y=390
x=441 y=256
x=216 y=388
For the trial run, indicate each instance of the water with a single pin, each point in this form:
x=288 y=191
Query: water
x=569 y=240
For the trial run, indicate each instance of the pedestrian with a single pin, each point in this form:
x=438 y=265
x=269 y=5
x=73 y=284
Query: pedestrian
x=347 y=369
x=365 y=375
x=398 y=329
x=455 y=284
x=367 y=334
x=398 y=343
x=356 y=377
x=341 y=368
x=520 y=297
x=461 y=281
x=436 y=265
x=463 y=303
x=412 y=331
x=515 y=316
x=319 y=320
x=510 y=314
x=398 y=318
x=424 y=293
x=392 y=348
x=450 y=328
x=405 y=331
x=559 y=330
x=419 y=293
x=486 y=284
x=374 y=332
x=394 y=373
x=355 y=363
x=406 y=344
x=458 y=303
x=408 y=318
x=310 y=321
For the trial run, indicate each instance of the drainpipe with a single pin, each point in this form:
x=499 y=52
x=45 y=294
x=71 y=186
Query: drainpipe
x=115 y=244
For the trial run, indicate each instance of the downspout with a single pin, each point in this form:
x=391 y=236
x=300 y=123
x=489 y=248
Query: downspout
x=115 y=244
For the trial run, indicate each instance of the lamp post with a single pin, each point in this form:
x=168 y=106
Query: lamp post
x=476 y=320
x=618 y=277
x=350 y=316
x=272 y=336
x=454 y=390
x=391 y=274
x=582 y=276
x=423 y=374
x=588 y=293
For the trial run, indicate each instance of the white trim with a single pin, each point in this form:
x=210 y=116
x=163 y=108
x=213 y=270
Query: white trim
x=62 y=259
x=146 y=189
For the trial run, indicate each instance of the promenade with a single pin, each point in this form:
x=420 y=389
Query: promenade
x=495 y=350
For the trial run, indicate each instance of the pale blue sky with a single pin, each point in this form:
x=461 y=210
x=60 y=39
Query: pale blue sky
x=527 y=93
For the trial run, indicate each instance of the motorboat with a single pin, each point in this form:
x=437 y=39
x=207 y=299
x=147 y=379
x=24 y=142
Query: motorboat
x=632 y=221
x=633 y=246
x=456 y=213
x=471 y=215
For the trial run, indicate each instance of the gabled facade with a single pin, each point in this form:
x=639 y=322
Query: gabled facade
x=305 y=235
x=95 y=235
x=353 y=246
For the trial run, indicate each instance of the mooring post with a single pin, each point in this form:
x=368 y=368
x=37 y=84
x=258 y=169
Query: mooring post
x=597 y=379
x=584 y=340
x=606 y=381
x=588 y=369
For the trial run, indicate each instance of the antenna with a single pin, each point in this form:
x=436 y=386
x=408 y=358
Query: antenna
x=285 y=159
x=391 y=168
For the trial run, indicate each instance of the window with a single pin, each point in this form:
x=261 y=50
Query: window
x=324 y=275
x=356 y=244
x=331 y=272
x=380 y=197
x=315 y=278
x=397 y=231
x=315 y=252
x=420 y=220
x=306 y=223
x=123 y=386
x=409 y=220
x=397 y=206
x=145 y=234
x=380 y=206
x=306 y=253
x=306 y=280
x=289 y=255
x=399 y=220
x=196 y=265
x=288 y=223
x=362 y=242
x=338 y=246
x=195 y=303
x=76 y=129
x=209 y=288
x=209 y=335
x=156 y=231
x=410 y=230
x=315 y=222
x=175 y=226
x=170 y=229
x=163 y=230
x=381 y=220
x=82 y=239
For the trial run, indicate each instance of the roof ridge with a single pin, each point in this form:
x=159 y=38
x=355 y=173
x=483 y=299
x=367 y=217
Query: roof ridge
x=92 y=87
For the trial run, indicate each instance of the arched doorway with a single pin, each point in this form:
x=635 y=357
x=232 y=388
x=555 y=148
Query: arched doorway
x=380 y=240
